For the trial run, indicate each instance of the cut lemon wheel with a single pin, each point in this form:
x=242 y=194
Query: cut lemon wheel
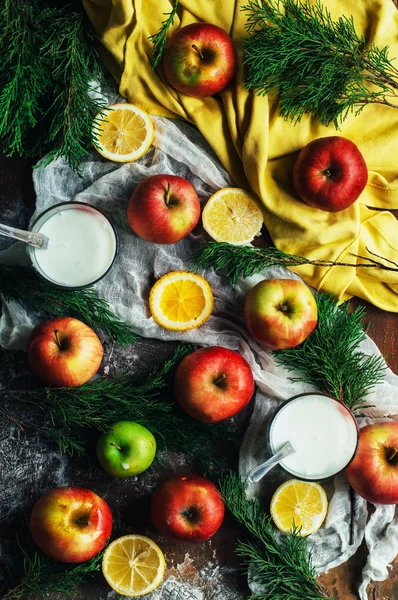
x=133 y=565
x=232 y=215
x=122 y=132
x=181 y=300
x=302 y=504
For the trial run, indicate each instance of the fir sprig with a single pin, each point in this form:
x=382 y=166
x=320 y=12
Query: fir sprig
x=24 y=286
x=159 y=39
x=41 y=575
x=67 y=414
x=49 y=60
x=330 y=357
x=22 y=85
x=74 y=105
x=244 y=261
x=315 y=65
x=281 y=566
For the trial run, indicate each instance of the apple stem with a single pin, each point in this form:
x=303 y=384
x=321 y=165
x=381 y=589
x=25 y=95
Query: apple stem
x=57 y=339
x=116 y=446
x=219 y=379
x=198 y=51
x=392 y=455
x=167 y=196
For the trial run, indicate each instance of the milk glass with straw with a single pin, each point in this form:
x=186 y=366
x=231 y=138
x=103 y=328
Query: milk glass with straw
x=82 y=245
x=311 y=436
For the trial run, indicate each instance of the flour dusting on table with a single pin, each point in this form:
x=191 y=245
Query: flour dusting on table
x=27 y=469
x=186 y=582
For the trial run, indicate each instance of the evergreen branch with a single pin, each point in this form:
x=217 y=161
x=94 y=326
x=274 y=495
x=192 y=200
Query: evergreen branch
x=280 y=565
x=159 y=39
x=22 y=87
x=40 y=575
x=315 y=65
x=22 y=285
x=48 y=63
x=244 y=261
x=70 y=130
x=330 y=357
x=66 y=414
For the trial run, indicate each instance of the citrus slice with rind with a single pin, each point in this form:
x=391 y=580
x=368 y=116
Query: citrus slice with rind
x=181 y=300
x=122 y=132
x=302 y=504
x=232 y=215
x=133 y=565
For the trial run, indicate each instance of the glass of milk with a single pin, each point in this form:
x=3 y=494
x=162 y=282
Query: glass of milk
x=322 y=430
x=82 y=245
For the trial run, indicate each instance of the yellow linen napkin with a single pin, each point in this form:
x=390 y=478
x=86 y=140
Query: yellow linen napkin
x=259 y=148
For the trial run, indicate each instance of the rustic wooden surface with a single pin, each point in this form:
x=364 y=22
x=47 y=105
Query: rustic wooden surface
x=212 y=567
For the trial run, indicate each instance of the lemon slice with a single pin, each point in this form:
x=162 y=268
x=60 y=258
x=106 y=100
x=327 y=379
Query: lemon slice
x=122 y=132
x=133 y=565
x=303 y=504
x=181 y=300
x=232 y=215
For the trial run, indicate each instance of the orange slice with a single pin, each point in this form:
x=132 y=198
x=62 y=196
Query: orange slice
x=232 y=215
x=302 y=504
x=181 y=300
x=133 y=565
x=122 y=132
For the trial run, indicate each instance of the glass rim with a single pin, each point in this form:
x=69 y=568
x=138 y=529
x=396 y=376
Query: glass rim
x=31 y=250
x=278 y=410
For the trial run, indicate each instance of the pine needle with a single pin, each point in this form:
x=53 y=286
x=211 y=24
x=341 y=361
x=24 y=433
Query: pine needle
x=281 y=565
x=244 y=261
x=22 y=86
x=24 y=286
x=49 y=60
x=41 y=575
x=66 y=415
x=313 y=64
x=70 y=130
x=159 y=39
x=330 y=357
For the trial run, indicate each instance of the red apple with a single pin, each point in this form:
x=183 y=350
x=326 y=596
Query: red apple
x=199 y=60
x=70 y=524
x=280 y=313
x=187 y=507
x=64 y=352
x=212 y=384
x=374 y=471
x=163 y=209
x=330 y=173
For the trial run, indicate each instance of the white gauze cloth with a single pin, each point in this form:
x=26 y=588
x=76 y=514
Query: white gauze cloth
x=180 y=150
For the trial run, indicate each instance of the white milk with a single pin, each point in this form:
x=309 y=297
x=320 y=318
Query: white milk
x=81 y=249
x=322 y=432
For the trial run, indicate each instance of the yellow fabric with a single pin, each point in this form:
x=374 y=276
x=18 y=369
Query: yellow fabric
x=258 y=148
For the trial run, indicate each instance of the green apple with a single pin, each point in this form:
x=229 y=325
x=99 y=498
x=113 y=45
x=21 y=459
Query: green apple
x=126 y=449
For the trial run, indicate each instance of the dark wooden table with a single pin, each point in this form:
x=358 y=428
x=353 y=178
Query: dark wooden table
x=210 y=568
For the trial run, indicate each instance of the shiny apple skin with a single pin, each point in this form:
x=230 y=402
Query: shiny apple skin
x=75 y=362
x=203 y=73
x=374 y=471
x=55 y=528
x=126 y=449
x=280 y=313
x=187 y=507
x=163 y=209
x=347 y=178
x=212 y=384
